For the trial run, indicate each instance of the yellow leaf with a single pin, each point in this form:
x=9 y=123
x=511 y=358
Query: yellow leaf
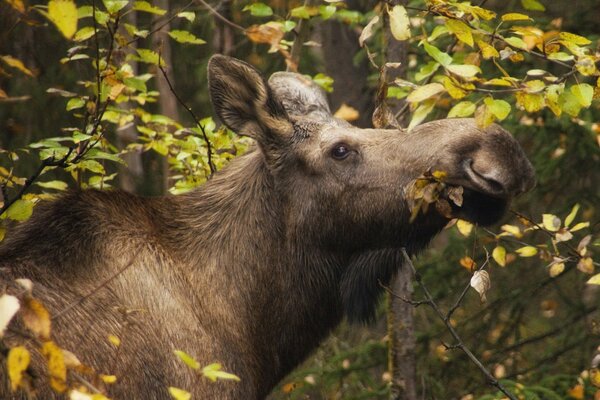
x=577 y=392
x=460 y=30
x=17 y=5
x=9 y=305
x=108 y=378
x=347 y=113
x=579 y=226
x=571 y=215
x=179 y=394
x=214 y=372
x=556 y=269
x=515 y=17
x=399 y=23
x=56 y=366
x=527 y=251
x=498 y=82
x=531 y=102
x=114 y=340
x=16 y=63
x=424 y=92
x=484 y=116
x=63 y=13
x=453 y=90
x=586 y=265
x=513 y=230
x=465 y=228
x=468 y=263
x=550 y=222
x=499 y=255
x=488 y=51
x=36 y=318
x=462 y=109
x=594 y=280
x=595 y=378
x=575 y=39
x=464 y=71
x=367 y=31
x=17 y=362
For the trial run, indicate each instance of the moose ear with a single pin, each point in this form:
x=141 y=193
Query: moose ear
x=244 y=101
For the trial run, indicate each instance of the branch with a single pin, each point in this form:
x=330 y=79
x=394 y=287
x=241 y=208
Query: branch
x=459 y=343
x=219 y=16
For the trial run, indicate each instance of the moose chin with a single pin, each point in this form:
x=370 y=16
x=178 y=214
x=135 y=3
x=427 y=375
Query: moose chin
x=254 y=268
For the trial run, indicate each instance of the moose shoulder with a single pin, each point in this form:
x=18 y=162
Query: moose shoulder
x=255 y=267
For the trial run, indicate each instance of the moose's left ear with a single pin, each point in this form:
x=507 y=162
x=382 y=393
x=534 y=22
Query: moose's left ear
x=244 y=102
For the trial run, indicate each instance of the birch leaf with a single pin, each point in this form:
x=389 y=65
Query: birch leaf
x=399 y=23
x=481 y=283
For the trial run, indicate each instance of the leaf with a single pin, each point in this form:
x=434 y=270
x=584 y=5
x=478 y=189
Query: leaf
x=189 y=15
x=367 y=30
x=144 y=6
x=583 y=93
x=57 y=185
x=63 y=13
x=36 y=318
x=468 y=263
x=527 y=251
x=20 y=210
x=187 y=359
x=185 y=37
x=533 y=5
x=480 y=281
x=575 y=39
x=551 y=222
x=556 y=269
x=464 y=227
x=9 y=305
x=460 y=30
x=347 y=113
x=304 y=12
x=462 y=109
x=17 y=5
x=327 y=12
x=579 y=226
x=425 y=92
x=149 y=57
x=75 y=103
x=84 y=34
x=16 y=63
x=17 y=362
x=483 y=116
x=571 y=215
x=56 y=366
x=499 y=108
x=515 y=17
x=487 y=50
x=114 y=6
x=499 y=255
x=259 y=9
x=179 y=394
x=399 y=23
x=108 y=378
x=114 y=340
x=465 y=71
x=437 y=54
x=516 y=42
x=586 y=265
x=214 y=372
x=594 y=280
x=421 y=113
x=530 y=102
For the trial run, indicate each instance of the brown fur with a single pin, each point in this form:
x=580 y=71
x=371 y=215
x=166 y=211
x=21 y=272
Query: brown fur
x=254 y=268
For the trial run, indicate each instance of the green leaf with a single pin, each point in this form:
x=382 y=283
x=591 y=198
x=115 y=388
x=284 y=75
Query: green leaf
x=424 y=92
x=499 y=108
x=571 y=215
x=461 y=30
x=516 y=42
x=259 y=9
x=579 y=226
x=149 y=57
x=144 y=6
x=57 y=185
x=304 y=12
x=136 y=83
x=421 y=113
x=399 y=23
x=437 y=54
x=74 y=103
x=179 y=394
x=462 y=109
x=91 y=165
x=63 y=13
x=327 y=11
x=84 y=34
x=214 y=372
x=583 y=93
x=187 y=359
x=189 y=15
x=326 y=82
x=114 y=6
x=20 y=210
x=185 y=37
x=533 y=5
x=464 y=71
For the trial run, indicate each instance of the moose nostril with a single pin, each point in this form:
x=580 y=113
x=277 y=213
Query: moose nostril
x=490 y=181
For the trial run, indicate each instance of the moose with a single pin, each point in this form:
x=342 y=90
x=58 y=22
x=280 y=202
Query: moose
x=254 y=268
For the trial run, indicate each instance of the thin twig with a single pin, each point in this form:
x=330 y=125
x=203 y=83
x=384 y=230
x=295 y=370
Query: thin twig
x=194 y=117
x=459 y=343
x=219 y=16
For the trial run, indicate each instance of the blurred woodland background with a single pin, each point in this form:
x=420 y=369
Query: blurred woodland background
x=113 y=94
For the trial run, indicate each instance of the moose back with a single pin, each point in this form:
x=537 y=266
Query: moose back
x=254 y=268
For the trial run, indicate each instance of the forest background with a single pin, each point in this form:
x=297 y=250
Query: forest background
x=113 y=94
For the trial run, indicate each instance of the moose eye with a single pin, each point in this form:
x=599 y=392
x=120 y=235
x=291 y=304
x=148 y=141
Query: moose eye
x=340 y=151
